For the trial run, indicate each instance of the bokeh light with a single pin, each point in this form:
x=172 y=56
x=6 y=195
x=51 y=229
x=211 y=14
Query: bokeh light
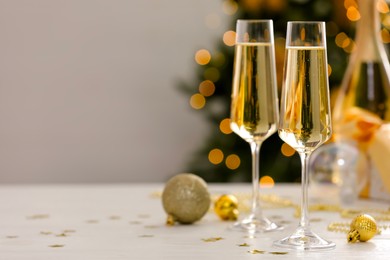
x=353 y=13
x=346 y=43
x=350 y=3
x=385 y=35
x=229 y=38
x=266 y=182
x=206 y=88
x=343 y=41
x=287 y=150
x=382 y=6
x=329 y=70
x=233 y=161
x=202 y=57
x=229 y=7
x=197 y=101
x=340 y=38
x=216 y=156
x=350 y=48
x=224 y=126
x=386 y=21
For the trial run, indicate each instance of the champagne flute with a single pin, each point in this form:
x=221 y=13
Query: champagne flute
x=254 y=107
x=305 y=120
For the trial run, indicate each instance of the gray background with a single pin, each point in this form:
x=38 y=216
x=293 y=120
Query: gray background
x=88 y=88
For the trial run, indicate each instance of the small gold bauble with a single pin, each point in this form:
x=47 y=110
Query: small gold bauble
x=363 y=228
x=226 y=207
x=185 y=199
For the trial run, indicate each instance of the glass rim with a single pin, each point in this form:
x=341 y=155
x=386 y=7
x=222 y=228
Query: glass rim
x=255 y=20
x=306 y=22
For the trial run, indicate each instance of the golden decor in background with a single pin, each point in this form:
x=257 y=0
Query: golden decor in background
x=363 y=228
x=185 y=198
x=226 y=207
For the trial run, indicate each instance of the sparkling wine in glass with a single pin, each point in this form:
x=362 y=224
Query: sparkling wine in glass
x=305 y=120
x=254 y=108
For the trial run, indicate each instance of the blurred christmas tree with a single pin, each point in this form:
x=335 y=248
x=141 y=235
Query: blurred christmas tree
x=224 y=156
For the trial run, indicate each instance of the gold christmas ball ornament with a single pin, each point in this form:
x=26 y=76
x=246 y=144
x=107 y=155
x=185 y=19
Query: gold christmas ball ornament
x=185 y=198
x=226 y=207
x=363 y=228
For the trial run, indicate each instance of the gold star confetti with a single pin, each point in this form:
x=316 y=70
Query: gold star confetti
x=12 y=237
x=56 y=245
x=38 y=216
x=61 y=235
x=244 y=245
x=212 y=239
x=114 y=217
x=255 y=251
x=278 y=253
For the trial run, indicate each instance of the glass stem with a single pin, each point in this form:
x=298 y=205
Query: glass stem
x=304 y=222
x=255 y=149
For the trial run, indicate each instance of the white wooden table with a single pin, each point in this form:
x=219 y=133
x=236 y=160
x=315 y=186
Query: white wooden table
x=127 y=222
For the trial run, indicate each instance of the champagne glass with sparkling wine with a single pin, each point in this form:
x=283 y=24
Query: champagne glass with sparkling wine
x=305 y=120
x=254 y=108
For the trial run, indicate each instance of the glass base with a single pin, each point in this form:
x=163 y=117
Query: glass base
x=253 y=223
x=303 y=239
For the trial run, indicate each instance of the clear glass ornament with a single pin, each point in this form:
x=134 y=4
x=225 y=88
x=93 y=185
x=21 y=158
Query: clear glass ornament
x=335 y=165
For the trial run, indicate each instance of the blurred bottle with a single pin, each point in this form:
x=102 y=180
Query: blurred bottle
x=363 y=102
